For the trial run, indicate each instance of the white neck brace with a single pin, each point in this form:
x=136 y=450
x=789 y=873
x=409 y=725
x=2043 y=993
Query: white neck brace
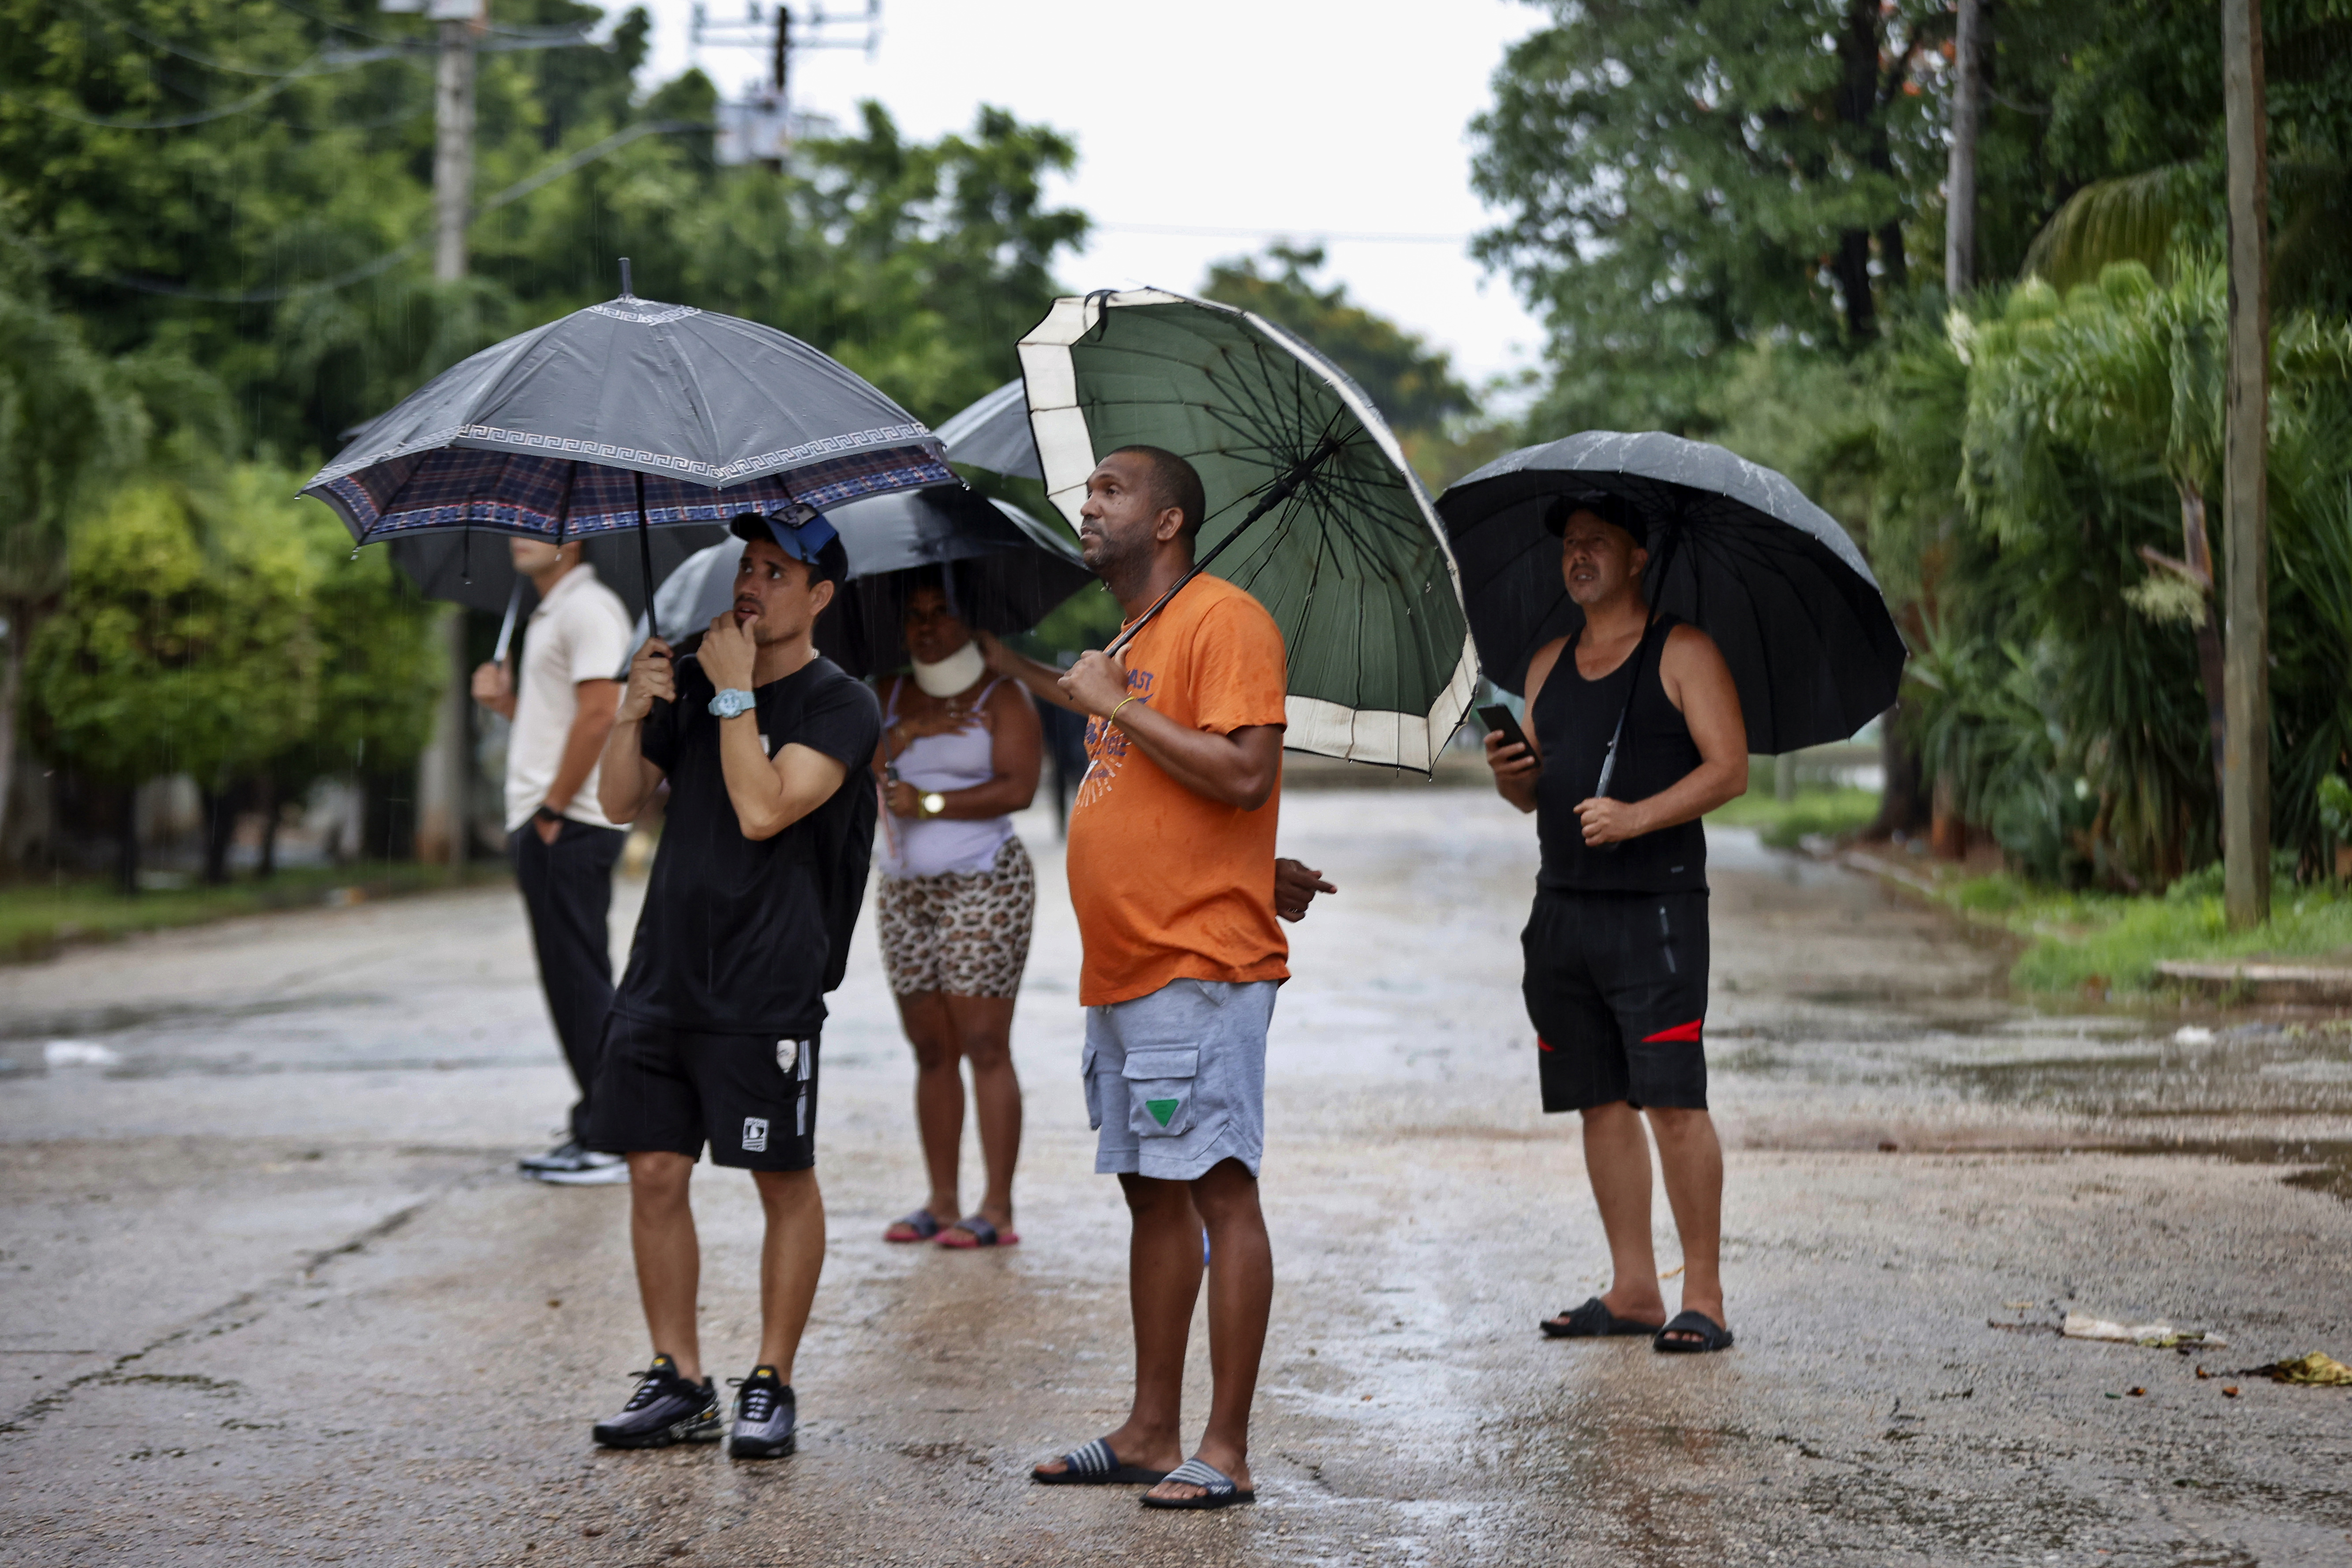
x=959 y=672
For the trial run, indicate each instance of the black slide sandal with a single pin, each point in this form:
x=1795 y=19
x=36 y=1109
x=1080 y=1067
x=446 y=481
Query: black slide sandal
x=1710 y=1334
x=1217 y=1489
x=1095 y=1465
x=1593 y=1321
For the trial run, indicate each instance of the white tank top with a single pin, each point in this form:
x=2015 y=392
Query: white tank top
x=957 y=760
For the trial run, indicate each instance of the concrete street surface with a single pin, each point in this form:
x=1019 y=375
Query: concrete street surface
x=271 y=1291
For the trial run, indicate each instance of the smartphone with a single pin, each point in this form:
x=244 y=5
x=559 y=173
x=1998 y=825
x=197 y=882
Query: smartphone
x=1497 y=717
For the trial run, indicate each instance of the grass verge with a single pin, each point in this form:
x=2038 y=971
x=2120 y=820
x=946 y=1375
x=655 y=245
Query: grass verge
x=38 y=918
x=2112 y=942
x=1784 y=824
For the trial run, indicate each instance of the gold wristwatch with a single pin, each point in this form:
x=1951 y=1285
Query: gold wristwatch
x=932 y=804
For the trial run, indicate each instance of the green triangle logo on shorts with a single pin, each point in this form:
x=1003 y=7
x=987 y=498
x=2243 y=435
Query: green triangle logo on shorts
x=1161 y=1109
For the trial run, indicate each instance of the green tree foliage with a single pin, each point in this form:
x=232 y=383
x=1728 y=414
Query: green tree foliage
x=213 y=625
x=1681 y=176
x=2058 y=685
x=228 y=178
x=177 y=648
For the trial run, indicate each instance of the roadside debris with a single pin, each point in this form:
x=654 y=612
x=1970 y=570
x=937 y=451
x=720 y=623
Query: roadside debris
x=2154 y=1336
x=2318 y=1369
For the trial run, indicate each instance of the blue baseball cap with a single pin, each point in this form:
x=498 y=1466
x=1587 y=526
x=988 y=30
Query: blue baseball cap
x=813 y=541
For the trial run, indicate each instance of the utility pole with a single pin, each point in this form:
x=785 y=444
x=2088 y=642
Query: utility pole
x=2246 y=756
x=1960 y=176
x=444 y=772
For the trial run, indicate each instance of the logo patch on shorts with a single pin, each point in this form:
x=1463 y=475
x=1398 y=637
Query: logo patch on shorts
x=788 y=1052
x=755 y=1134
x=1161 y=1109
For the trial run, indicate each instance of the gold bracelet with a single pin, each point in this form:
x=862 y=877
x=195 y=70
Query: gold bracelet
x=1112 y=717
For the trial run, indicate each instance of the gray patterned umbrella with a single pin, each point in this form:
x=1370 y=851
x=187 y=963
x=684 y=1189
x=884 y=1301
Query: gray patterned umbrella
x=631 y=414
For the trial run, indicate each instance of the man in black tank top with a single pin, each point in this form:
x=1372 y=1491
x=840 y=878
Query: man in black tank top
x=1617 y=943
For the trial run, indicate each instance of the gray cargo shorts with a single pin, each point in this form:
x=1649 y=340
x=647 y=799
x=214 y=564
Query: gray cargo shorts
x=1176 y=1080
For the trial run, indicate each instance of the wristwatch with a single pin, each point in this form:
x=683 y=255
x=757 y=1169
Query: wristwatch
x=732 y=702
x=547 y=813
x=933 y=804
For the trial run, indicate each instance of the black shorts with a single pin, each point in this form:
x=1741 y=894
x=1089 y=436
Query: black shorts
x=752 y=1097
x=1616 y=988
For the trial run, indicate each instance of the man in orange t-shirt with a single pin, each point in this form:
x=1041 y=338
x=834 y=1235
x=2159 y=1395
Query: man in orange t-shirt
x=1173 y=875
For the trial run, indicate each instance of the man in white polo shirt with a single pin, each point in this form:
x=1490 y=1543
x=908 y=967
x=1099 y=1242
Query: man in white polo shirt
x=562 y=846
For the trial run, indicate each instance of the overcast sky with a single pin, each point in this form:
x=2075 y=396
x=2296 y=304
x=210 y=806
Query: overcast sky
x=1314 y=119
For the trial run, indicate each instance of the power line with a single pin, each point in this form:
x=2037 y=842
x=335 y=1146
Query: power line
x=390 y=259
x=1328 y=234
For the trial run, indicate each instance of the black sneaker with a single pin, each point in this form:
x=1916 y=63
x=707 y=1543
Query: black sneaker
x=567 y=1156
x=765 y=1414
x=664 y=1409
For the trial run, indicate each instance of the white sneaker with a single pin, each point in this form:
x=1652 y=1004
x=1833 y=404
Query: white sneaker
x=593 y=1171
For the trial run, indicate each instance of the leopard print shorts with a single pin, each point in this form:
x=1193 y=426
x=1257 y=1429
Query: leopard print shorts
x=964 y=932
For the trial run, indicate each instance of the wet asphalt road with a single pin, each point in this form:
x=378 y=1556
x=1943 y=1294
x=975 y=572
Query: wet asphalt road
x=269 y=1292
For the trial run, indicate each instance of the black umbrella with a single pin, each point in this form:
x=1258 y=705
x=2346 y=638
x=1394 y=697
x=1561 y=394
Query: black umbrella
x=628 y=416
x=1735 y=549
x=1004 y=570
x=470 y=566
x=992 y=432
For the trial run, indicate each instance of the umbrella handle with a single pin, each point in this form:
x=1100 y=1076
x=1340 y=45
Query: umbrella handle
x=1284 y=488
x=506 y=627
x=645 y=539
x=1609 y=758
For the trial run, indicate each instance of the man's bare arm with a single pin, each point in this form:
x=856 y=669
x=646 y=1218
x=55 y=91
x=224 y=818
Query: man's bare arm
x=625 y=780
x=1042 y=680
x=1239 y=769
x=1516 y=768
x=592 y=721
x=770 y=796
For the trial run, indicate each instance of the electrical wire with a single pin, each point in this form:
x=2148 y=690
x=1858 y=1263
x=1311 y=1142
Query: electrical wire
x=390 y=259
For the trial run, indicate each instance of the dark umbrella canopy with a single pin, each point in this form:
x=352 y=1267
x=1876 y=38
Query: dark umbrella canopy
x=1739 y=552
x=625 y=410
x=992 y=432
x=471 y=567
x=1004 y=571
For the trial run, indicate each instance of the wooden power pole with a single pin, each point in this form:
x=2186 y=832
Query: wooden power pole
x=2246 y=756
x=1960 y=174
x=444 y=772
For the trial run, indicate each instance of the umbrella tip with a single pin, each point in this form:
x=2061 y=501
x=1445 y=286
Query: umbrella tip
x=628 y=290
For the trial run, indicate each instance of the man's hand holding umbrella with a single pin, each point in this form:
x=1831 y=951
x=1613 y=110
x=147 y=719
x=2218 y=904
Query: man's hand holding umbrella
x=653 y=677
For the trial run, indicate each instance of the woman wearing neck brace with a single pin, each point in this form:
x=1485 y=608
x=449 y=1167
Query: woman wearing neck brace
x=960 y=753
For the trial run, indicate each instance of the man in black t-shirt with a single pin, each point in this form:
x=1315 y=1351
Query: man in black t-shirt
x=713 y=1033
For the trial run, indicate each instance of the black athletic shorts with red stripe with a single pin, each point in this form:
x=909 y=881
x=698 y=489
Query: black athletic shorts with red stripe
x=1616 y=988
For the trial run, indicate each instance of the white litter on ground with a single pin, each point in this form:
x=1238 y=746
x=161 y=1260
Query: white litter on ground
x=79 y=1054
x=2192 y=1035
x=2156 y=1336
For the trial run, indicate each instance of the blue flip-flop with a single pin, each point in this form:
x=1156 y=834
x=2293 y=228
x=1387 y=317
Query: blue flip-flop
x=1217 y=1489
x=922 y=1222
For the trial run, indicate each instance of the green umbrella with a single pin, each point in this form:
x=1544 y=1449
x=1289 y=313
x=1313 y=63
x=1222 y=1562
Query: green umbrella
x=1311 y=507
